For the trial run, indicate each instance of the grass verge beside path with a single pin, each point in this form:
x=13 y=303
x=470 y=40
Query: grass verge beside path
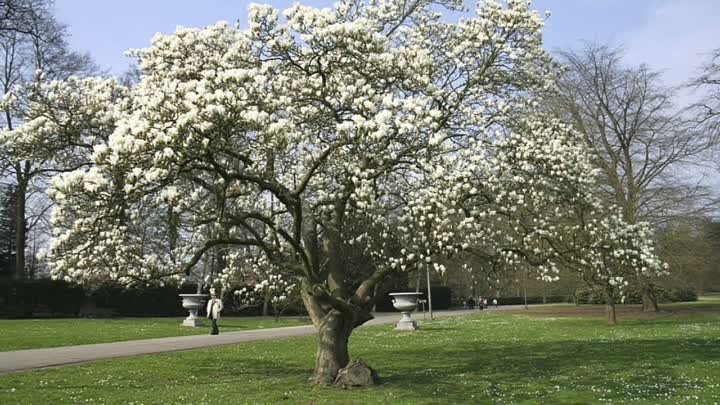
x=42 y=333
x=489 y=358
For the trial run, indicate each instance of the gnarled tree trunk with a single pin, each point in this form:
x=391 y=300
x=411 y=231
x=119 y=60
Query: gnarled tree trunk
x=333 y=354
x=335 y=311
x=334 y=326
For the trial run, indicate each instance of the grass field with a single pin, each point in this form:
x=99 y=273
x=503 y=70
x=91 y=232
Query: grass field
x=39 y=333
x=709 y=304
x=496 y=358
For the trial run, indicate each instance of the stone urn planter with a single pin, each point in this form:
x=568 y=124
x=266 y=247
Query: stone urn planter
x=406 y=303
x=193 y=303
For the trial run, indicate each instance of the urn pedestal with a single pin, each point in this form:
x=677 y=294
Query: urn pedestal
x=406 y=303
x=193 y=303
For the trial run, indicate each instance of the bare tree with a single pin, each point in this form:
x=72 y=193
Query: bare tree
x=707 y=110
x=33 y=46
x=19 y=16
x=641 y=142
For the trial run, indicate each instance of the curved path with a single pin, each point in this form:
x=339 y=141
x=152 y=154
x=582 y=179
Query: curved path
x=24 y=360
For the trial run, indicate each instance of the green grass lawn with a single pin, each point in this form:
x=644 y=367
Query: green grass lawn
x=489 y=358
x=39 y=333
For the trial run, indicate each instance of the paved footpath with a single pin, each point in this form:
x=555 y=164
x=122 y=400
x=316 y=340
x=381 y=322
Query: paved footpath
x=24 y=360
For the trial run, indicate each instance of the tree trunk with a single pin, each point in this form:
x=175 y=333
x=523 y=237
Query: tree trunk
x=33 y=253
x=334 y=329
x=429 y=293
x=649 y=300
x=610 y=315
x=266 y=307
x=20 y=231
x=333 y=354
x=375 y=294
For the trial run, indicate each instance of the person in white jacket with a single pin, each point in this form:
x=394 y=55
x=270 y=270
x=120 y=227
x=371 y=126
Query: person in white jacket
x=214 y=306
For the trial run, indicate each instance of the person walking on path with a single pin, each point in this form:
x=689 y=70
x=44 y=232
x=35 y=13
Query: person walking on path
x=495 y=302
x=480 y=302
x=214 y=307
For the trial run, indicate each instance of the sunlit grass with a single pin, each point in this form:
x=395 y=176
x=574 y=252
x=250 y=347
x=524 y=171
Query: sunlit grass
x=40 y=333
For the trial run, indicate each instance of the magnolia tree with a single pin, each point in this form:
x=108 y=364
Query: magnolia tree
x=375 y=128
x=526 y=197
x=274 y=291
x=62 y=123
x=256 y=282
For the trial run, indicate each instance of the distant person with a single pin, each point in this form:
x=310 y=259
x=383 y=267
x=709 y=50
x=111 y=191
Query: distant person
x=485 y=302
x=471 y=303
x=495 y=302
x=480 y=303
x=214 y=307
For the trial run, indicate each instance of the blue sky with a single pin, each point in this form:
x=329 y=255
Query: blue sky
x=670 y=35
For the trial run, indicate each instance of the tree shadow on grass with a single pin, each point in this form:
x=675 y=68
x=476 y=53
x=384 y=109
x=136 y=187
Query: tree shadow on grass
x=518 y=372
x=421 y=370
x=587 y=365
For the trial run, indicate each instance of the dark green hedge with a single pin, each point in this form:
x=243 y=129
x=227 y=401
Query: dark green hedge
x=55 y=298
x=140 y=301
x=47 y=298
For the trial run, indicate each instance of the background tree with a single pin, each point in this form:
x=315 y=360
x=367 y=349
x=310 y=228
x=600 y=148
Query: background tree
x=707 y=110
x=63 y=122
x=711 y=237
x=687 y=247
x=22 y=16
x=640 y=141
x=706 y=117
